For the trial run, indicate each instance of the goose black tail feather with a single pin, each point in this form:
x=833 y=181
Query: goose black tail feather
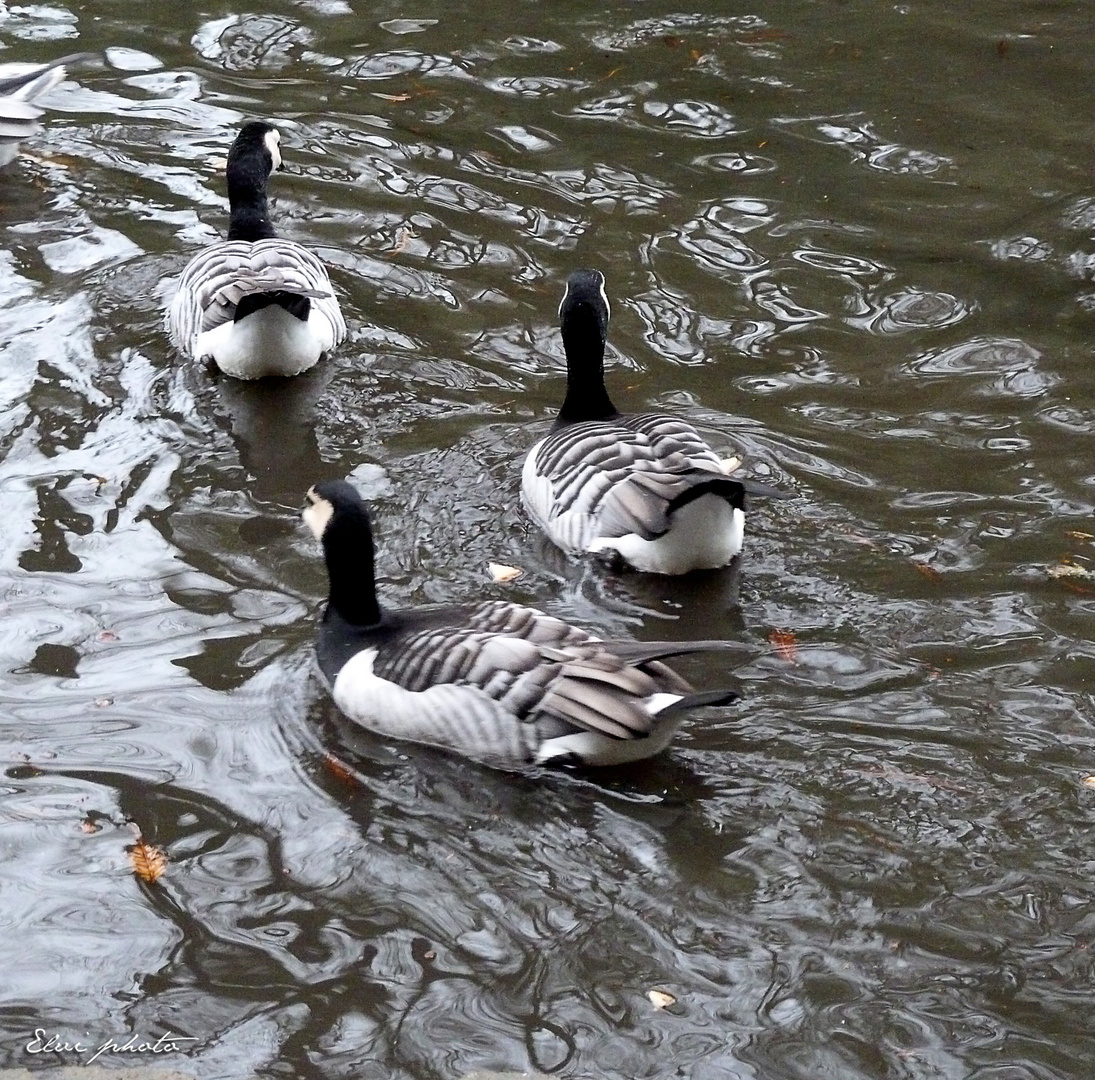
x=297 y=305
x=731 y=490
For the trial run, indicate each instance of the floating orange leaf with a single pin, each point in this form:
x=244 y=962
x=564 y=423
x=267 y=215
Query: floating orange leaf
x=149 y=862
x=503 y=574
x=762 y=35
x=338 y=770
x=1088 y=781
x=660 y=999
x=786 y=646
x=929 y=572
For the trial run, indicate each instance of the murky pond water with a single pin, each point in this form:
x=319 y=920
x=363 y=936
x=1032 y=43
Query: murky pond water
x=853 y=242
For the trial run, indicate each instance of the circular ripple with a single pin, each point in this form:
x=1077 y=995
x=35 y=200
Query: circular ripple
x=912 y=309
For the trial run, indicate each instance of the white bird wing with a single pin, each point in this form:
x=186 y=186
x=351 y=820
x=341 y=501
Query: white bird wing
x=612 y=478
x=21 y=85
x=216 y=279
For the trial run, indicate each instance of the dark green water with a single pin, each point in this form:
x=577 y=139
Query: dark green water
x=852 y=242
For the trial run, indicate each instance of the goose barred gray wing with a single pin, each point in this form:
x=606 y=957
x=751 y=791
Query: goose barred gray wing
x=611 y=478
x=218 y=278
x=498 y=681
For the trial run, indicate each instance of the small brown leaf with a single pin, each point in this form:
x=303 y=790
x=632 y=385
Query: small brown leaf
x=929 y=572
x=762 y=35
x=660 y=999
x=149 y=862
x=786 y=646
x=402 y=237
x=503 y=574
x=339 y=771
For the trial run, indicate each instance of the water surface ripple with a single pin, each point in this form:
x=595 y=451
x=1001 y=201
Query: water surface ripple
x=854 y=245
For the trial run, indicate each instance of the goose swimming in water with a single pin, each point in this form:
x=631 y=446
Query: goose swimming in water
x=498 y=682
x=21 y=87
x=646 y=488
x=255 y=304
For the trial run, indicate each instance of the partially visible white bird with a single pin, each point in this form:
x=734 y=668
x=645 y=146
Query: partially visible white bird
x=501 y=683
x=647 y=488
x=21 y=85
x=255 y=304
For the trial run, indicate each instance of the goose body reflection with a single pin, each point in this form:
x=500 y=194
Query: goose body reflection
x=501 y=683
x=256 y=305
x=646 y=489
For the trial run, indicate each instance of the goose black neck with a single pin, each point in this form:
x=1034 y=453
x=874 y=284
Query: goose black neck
x=250 y=217
x=348 y=550
x=584 y=344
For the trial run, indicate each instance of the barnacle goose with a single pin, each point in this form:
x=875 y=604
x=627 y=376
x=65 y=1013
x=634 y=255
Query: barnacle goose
x=21 y=85
x=498 y=682
x=257 y=305
x=646 y=488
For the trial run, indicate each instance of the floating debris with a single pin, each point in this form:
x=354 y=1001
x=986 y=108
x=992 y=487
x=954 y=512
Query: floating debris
x=149 y=862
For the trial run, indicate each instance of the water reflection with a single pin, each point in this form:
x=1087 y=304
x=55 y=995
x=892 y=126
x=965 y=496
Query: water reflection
x=876 y=865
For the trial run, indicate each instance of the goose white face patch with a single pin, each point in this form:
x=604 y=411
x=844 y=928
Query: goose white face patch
x=317 y=514
x=272 y=138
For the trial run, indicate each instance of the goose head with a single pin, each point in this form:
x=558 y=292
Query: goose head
x=255 y=154
x=339 y=520
x=583 y=318
x=256 y=151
